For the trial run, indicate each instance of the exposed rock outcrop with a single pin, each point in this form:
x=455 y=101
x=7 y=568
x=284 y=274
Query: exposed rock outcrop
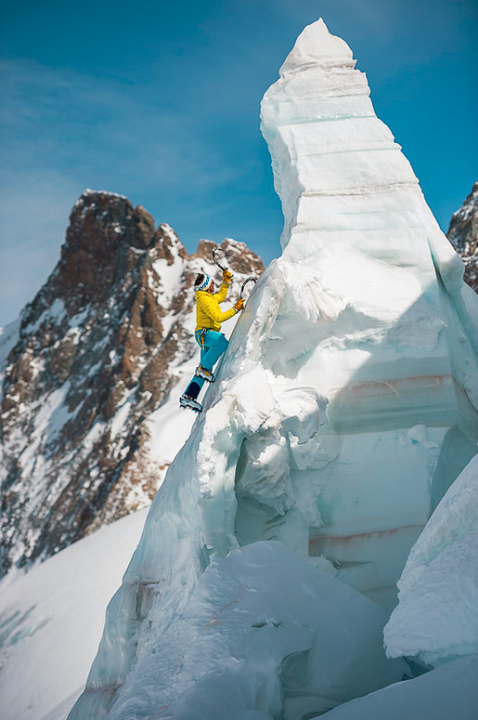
x=463 y=235
x=97 y=352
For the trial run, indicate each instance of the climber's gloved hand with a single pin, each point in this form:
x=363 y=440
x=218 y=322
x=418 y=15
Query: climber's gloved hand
x=227 y=276
x=239 y=305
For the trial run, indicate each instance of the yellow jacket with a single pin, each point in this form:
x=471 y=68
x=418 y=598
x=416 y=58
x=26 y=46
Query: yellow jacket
x=208 y=312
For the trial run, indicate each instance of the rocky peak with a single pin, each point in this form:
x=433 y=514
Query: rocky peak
x=104 y=243
x=463 y=235
x=97 y=353
x=168 y=246
x=237 y=253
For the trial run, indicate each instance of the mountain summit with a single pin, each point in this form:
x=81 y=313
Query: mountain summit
x=98 y=351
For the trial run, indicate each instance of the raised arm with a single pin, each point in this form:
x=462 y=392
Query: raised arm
x=221 y=295
x=209 y=306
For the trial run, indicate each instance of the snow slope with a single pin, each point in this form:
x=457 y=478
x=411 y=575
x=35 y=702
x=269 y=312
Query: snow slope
x=451 y=691
x=344 y=409
x=59 y=605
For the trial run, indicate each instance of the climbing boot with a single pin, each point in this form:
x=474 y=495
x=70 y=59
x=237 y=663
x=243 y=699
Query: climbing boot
x=203 y=372
x=188 y=402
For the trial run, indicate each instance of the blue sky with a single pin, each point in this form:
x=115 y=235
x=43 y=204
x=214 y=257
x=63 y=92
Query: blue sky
x=159 y=101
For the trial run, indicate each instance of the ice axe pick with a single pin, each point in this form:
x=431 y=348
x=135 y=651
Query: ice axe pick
x=215 y=251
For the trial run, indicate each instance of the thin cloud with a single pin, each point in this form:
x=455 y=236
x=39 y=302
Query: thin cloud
x=74 y=121
x=62 y=132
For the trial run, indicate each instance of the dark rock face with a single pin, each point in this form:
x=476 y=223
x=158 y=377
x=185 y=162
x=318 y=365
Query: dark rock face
x=93 y=360
x=463 y=235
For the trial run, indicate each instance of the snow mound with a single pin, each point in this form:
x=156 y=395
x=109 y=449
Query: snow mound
x=450 y=691
x=437 y=616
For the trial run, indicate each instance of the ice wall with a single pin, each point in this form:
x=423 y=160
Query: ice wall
x=366 y=314
x=399 y=363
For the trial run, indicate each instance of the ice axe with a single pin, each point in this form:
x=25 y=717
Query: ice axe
x=222 y=267
x=247 y=280
x=243 y=286
x=214 y=257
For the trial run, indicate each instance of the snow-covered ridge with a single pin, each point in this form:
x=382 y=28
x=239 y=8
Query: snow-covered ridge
x=103 y=348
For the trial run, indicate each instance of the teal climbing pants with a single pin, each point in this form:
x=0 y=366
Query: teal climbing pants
x=212 y=344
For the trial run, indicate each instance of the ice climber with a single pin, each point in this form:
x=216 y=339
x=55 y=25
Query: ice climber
x=208 y=324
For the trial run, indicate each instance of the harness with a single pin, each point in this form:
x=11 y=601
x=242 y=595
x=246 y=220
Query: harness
x=200 y=336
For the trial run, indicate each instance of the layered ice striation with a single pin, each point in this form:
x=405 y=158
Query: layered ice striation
x=343 y=411
x=399 y=361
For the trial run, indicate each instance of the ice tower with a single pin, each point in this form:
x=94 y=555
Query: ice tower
x=399 y=362
x=365 y=313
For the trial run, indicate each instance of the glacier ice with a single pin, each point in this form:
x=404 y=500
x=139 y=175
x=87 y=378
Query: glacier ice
x=450 y=691
x=436 y=619
x=346 y=404
x=239 y=643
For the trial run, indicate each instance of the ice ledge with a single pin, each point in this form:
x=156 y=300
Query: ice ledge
x=316 y=46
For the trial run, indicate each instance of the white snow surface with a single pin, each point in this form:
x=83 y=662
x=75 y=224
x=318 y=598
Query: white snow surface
x=344 y=408
x=437 y=616
x=451 y=691
x=59 y=605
